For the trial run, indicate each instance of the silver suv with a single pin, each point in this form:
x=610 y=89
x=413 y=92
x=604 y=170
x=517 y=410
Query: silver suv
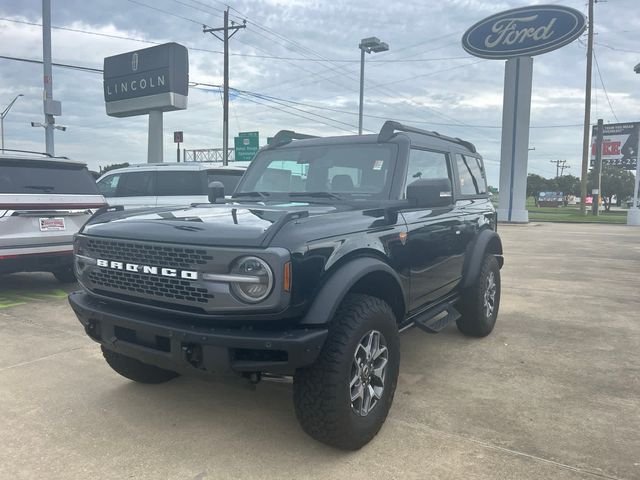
x=43 y=202
x=162 y=184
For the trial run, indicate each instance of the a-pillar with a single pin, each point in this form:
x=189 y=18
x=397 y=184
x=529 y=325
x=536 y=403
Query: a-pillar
x=515 y=140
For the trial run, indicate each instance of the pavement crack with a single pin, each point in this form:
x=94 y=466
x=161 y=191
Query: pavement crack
x=510 y=451
x=39 y=359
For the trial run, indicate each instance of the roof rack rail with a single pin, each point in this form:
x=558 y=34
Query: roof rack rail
x=286 y=136
x=390 y=127
x=32 y=152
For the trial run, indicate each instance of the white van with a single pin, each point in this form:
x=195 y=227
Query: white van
x=158 y=184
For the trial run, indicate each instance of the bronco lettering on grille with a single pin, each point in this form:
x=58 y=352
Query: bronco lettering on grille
x=148 y=269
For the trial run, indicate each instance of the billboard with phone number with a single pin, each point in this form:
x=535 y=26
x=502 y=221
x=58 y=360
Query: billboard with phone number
x=619 y=145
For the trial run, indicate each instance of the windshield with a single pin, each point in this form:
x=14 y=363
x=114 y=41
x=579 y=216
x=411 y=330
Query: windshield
x=333 y=171
x=19 y=176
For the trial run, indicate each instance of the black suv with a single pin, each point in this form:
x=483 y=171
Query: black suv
x=328 y=248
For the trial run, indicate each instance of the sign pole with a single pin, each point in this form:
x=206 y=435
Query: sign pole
x=598 y=168
x=633 y=217
x=515 y=140
x=154 y=148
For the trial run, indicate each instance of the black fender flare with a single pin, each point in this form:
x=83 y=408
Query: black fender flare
x=336 y=287
x=487 y=241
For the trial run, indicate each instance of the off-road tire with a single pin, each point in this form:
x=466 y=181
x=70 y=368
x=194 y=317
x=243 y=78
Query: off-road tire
x=65 y=275
x=321 y=392
x=474 y=321
x=136 y=370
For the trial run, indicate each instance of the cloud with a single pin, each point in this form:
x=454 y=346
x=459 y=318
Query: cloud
x=430 y=85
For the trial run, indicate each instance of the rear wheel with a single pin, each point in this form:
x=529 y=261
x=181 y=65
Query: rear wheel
x=479 y=304
x=65 y=274
x=344 y=398
x=135 y=369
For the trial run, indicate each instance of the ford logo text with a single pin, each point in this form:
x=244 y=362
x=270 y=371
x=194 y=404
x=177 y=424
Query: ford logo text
x=524 y=31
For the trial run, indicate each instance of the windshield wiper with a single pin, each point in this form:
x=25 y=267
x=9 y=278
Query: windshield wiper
x=45 y=188
x=250 y=194
x=332 y=196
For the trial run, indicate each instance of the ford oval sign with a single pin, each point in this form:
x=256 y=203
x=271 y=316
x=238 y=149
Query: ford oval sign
x=525 y=31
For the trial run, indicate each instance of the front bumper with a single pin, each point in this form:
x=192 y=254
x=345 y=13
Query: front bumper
x=175 y=343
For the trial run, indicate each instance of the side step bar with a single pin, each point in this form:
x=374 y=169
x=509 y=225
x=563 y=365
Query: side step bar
x=434 y=320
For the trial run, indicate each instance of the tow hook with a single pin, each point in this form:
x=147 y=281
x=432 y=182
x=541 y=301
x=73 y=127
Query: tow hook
x=193 y=354
x=254 y=379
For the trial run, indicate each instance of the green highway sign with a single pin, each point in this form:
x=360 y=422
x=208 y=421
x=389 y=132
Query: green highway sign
x=246 y=145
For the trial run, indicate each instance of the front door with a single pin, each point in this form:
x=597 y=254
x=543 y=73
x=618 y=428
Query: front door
x=435 y=236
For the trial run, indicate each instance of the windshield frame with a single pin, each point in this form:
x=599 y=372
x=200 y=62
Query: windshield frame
x=320 y=196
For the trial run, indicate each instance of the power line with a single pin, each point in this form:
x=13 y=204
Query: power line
x=603 y=87
x=247 y=55
x=269 y=98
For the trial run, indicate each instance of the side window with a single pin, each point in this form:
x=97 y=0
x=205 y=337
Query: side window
x=136 y=184
x=174 y=183
x=109 y=185
x=471 y=173
x=426 y=164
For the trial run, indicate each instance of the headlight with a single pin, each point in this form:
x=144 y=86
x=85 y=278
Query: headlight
x=258 y=281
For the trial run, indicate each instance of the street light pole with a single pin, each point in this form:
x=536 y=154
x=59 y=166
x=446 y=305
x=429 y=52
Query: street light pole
x=361 y=90
x=4 y=114
x=367 y=45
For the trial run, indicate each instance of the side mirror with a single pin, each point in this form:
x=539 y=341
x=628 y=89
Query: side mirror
x=430 y=193
x=216 y=191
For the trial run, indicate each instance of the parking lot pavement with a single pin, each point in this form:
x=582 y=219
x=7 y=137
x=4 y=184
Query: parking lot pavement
x=553 y=393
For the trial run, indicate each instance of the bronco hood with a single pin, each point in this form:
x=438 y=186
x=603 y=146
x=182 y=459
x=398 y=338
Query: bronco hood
x=235 y=225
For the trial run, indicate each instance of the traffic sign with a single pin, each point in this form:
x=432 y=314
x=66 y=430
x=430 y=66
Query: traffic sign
x=177 y=137
x=246 y=145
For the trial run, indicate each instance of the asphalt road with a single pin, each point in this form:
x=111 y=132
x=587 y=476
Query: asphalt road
x=553 y=393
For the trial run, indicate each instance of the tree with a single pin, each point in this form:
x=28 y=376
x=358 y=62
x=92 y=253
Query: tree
x=104 y=170
x=568 y=184
x=537 y=184
x=615 y=181
x=534 y=186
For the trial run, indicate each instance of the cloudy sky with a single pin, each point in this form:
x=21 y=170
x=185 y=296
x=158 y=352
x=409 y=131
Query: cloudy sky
x=309 y=80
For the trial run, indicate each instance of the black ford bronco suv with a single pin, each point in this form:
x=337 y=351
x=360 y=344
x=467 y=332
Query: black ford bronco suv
x=328 y=248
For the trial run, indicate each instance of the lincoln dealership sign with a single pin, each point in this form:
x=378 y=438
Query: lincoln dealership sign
x=525 y=31
x=155 y=78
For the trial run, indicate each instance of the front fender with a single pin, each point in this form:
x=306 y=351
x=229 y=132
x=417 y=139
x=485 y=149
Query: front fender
x=487 y=242
x=339 y=283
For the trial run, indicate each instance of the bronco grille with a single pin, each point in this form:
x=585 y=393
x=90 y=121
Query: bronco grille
x=179 y=293
x=149 y=285
x=174 y=257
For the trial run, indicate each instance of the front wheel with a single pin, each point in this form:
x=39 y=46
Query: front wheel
x=344 y=398
x=479 y=304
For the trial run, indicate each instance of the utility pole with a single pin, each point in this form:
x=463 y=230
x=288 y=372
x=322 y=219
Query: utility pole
x=225 y=102
x=587 y=117
x=49 y=119
x=560 y=166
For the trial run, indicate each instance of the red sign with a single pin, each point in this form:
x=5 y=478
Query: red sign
x=177 y=137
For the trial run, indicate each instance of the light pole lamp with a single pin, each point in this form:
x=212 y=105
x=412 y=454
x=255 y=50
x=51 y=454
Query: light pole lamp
x=4 y=114
x=367 y=45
